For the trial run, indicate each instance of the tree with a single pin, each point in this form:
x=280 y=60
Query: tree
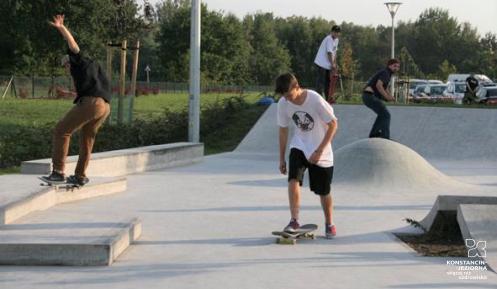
x=269 y=57
x=445 y=69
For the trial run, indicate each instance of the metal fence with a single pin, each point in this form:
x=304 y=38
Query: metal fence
x=61 y=87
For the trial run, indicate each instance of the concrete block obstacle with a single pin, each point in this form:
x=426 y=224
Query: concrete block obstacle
x=69 y=243
x=479 y=224
x=445 y=203
x=127 y=161
x=26 y=201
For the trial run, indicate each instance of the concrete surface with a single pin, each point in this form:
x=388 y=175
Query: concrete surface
x=127 y=161
x=209 y=225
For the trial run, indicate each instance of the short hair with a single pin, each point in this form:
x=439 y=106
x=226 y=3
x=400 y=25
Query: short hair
x=336 y=28
x=393 y=61
x=285 y=82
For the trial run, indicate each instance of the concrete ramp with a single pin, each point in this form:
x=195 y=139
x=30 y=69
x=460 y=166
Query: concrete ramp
x=478 y=224
x=436 y=133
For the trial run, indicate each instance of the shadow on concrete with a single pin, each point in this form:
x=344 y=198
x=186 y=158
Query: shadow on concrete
x=302 y=208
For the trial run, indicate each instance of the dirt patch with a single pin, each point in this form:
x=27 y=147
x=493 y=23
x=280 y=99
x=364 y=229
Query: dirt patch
x=444 y=238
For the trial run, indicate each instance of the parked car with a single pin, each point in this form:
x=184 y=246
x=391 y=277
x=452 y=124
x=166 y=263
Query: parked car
x=413 y=83
x=456 y=91
x=431 y=93
x=435 y=81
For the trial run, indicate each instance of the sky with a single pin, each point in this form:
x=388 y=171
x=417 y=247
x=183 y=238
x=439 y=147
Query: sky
x=482 y=14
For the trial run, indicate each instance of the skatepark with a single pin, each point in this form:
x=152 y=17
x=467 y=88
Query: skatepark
x=169 y=217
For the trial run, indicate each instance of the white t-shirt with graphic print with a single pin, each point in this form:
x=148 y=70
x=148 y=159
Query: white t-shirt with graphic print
x=311 y=120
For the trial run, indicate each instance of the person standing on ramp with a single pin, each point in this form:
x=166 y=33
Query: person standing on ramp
x=326 y=64
x=88 y=114
x=374 y=95
x=310 y=148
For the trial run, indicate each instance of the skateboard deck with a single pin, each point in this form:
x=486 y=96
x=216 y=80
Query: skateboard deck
x=304 y=232
x=335 y=78
x=58 y=185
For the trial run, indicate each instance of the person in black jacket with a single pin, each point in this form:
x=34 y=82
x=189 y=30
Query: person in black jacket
x=375 y=93
x=91 y=108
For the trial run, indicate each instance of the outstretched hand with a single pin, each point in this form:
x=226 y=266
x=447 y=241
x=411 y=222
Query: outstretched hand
x=58 y=21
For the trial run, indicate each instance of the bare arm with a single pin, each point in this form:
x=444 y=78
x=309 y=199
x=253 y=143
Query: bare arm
x=283 y=135
x=328 y=138
x=332 y=58
x=386 y=94
x=58 y=23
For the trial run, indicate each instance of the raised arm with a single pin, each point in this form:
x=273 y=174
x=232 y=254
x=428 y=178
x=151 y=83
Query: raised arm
x=58 y=23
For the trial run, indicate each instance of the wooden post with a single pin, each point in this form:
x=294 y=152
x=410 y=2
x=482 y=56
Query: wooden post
x=122 y=83
x=109 y=63
x=135 y=68
x=134 y=73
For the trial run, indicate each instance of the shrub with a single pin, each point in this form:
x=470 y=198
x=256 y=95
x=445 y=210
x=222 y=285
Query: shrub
x=219 y=121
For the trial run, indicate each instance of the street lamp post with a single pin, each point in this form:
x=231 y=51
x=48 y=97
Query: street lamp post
x=392 y=8
x=194 y=98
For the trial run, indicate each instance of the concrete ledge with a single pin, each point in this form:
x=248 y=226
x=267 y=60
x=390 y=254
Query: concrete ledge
x=97 y=247
x=451 y=203
x=127 y=161
x=47 y=197
x=479 y=223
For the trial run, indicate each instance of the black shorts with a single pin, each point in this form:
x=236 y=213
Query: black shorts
x=319 y=178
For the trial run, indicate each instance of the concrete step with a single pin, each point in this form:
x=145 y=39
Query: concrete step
x=69 y=243
x=21 y=195
x=127 y=161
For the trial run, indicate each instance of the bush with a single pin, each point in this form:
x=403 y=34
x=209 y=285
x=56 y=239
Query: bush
x=224 y=122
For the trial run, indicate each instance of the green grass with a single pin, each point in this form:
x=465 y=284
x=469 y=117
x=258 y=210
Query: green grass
x=150 y=106
x=11 y=170
x=36 y=111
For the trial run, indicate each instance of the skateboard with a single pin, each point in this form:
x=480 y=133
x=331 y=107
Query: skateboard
x=58 y=185
x=335 y=78
x=304 y=232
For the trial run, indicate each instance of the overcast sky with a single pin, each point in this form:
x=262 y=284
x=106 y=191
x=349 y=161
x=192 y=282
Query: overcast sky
x=482 y=14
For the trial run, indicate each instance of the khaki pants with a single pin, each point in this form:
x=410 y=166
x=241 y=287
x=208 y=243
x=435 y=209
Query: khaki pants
x=87 y=115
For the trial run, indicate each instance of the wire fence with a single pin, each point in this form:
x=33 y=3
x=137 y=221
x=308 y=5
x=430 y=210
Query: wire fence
x=62 y=87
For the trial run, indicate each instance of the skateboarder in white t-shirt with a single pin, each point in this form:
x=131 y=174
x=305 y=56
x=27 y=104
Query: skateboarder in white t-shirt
x=310 y=148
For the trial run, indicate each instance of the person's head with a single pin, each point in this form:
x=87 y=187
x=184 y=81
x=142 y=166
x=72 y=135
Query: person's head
x=335 y=31
x=393 y=64
x=64 y=62
x=287 y=86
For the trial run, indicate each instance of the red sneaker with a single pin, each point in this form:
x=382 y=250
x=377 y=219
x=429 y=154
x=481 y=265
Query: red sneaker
x=330 y=231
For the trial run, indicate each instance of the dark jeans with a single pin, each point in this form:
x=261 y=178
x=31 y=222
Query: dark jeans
x=323 y=81
x=381 y=126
